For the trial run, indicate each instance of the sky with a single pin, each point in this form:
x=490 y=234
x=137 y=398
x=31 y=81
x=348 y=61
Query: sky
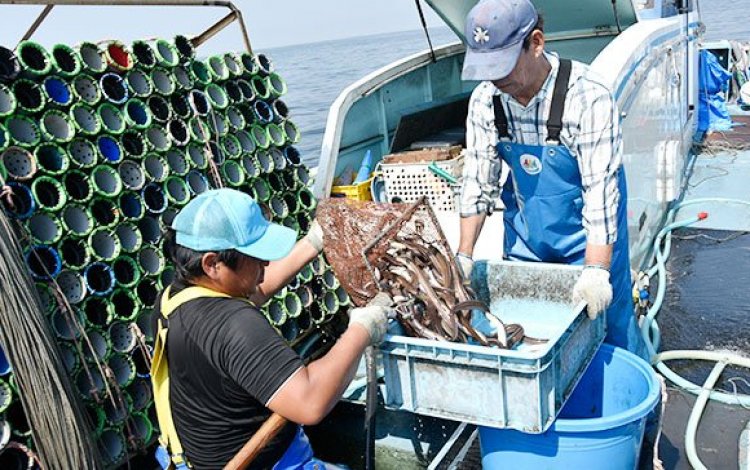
x=270 y=23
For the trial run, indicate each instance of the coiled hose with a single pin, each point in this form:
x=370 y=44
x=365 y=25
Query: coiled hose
x=651 y=334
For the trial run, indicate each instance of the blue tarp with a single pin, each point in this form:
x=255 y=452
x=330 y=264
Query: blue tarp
x=713 y=80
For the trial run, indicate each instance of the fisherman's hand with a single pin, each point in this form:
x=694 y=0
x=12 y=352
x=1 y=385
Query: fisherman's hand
x=593 y=287
x=373 y=317
x=465 y=265
x=315 y=236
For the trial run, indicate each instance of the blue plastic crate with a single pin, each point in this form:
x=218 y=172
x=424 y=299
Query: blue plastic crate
x=523 y=388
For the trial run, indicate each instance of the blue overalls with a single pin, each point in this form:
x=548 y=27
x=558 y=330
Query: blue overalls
x=543 y=219
x=298 y=456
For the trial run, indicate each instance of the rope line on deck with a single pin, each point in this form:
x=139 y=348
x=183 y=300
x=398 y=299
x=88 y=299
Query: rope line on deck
x=54 y=414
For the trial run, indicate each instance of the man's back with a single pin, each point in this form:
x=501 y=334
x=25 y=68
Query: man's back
x=225 y=364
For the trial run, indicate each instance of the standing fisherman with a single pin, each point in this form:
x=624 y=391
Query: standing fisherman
x=228 y=370
x=556 y=126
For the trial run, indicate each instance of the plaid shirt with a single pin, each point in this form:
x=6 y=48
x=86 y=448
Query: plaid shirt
x=591 y=131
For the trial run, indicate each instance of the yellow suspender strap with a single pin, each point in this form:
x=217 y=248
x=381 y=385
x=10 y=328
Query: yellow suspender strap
x=160 y=369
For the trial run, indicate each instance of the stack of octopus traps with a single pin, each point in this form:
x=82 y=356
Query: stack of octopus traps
x=100 y=146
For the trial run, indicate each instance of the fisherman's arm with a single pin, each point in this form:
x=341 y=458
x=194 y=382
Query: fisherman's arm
x=480 y=185
x=309 y=395
x=312 y=392
x=599 y=151
x=471 y=227
x=279 y=273
x=254 y=356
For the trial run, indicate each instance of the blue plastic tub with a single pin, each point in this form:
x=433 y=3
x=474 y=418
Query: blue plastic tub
x=600 y=426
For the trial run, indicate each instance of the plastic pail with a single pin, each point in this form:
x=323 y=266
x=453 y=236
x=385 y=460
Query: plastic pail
x=600 y=426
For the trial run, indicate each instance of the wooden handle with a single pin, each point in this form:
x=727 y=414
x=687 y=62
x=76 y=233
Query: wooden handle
x=260 y=439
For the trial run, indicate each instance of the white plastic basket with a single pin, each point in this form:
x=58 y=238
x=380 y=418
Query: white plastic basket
x=407 y=182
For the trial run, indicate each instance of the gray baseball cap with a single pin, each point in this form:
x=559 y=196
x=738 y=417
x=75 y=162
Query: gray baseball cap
x=495 y=30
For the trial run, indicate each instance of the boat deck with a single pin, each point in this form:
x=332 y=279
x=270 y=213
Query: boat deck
x=707 y=301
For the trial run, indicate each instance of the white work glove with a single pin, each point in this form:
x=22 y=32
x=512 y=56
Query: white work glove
x=373 y=317
x=593 y=287
x=465 y=265
x=315 y=236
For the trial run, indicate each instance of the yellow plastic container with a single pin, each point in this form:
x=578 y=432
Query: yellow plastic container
x=357 y=192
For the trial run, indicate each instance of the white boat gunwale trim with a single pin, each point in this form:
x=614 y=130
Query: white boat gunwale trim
x=361 y=88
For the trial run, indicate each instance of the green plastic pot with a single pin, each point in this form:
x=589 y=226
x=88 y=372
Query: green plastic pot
x=200 y=72
x=30 y=96
x=8 y=101
x=86 y=89
x=106 y=181
x=92 y=58
x=23 y=131
x=177 y=190
x=48 y=193
x=85 y=119
x=137 y=114
x=166 y=53
x=51 y=159
x=34 y=59
x=217 y=68
x=113 y=120
x=104 y=244
x=232 y=173
x=56 y=126
x=143 y=54
x=66 y=60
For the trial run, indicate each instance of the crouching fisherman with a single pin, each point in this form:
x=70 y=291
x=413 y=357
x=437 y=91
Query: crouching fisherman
x=228 y=369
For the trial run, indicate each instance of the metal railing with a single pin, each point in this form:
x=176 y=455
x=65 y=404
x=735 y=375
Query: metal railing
x=234 y=13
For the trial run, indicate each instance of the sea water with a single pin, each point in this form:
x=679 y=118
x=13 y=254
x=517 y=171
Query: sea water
x=317 y=73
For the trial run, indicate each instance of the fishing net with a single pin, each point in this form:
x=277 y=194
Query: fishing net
x=349 y=228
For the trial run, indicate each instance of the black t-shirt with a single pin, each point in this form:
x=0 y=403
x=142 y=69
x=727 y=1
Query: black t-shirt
x=225 y=363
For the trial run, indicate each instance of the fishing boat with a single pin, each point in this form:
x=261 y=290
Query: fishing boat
x=648 y=53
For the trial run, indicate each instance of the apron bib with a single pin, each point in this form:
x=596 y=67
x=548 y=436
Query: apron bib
x=543 y=218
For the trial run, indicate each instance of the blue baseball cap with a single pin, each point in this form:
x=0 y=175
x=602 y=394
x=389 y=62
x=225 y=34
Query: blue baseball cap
x=223 y=219
x=495 y=30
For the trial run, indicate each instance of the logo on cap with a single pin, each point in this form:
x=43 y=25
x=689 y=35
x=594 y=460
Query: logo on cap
x=481 y=35
x=531 y=164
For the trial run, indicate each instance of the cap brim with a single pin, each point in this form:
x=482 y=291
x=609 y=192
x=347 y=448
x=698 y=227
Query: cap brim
x=490 y=65
x=275 y=243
